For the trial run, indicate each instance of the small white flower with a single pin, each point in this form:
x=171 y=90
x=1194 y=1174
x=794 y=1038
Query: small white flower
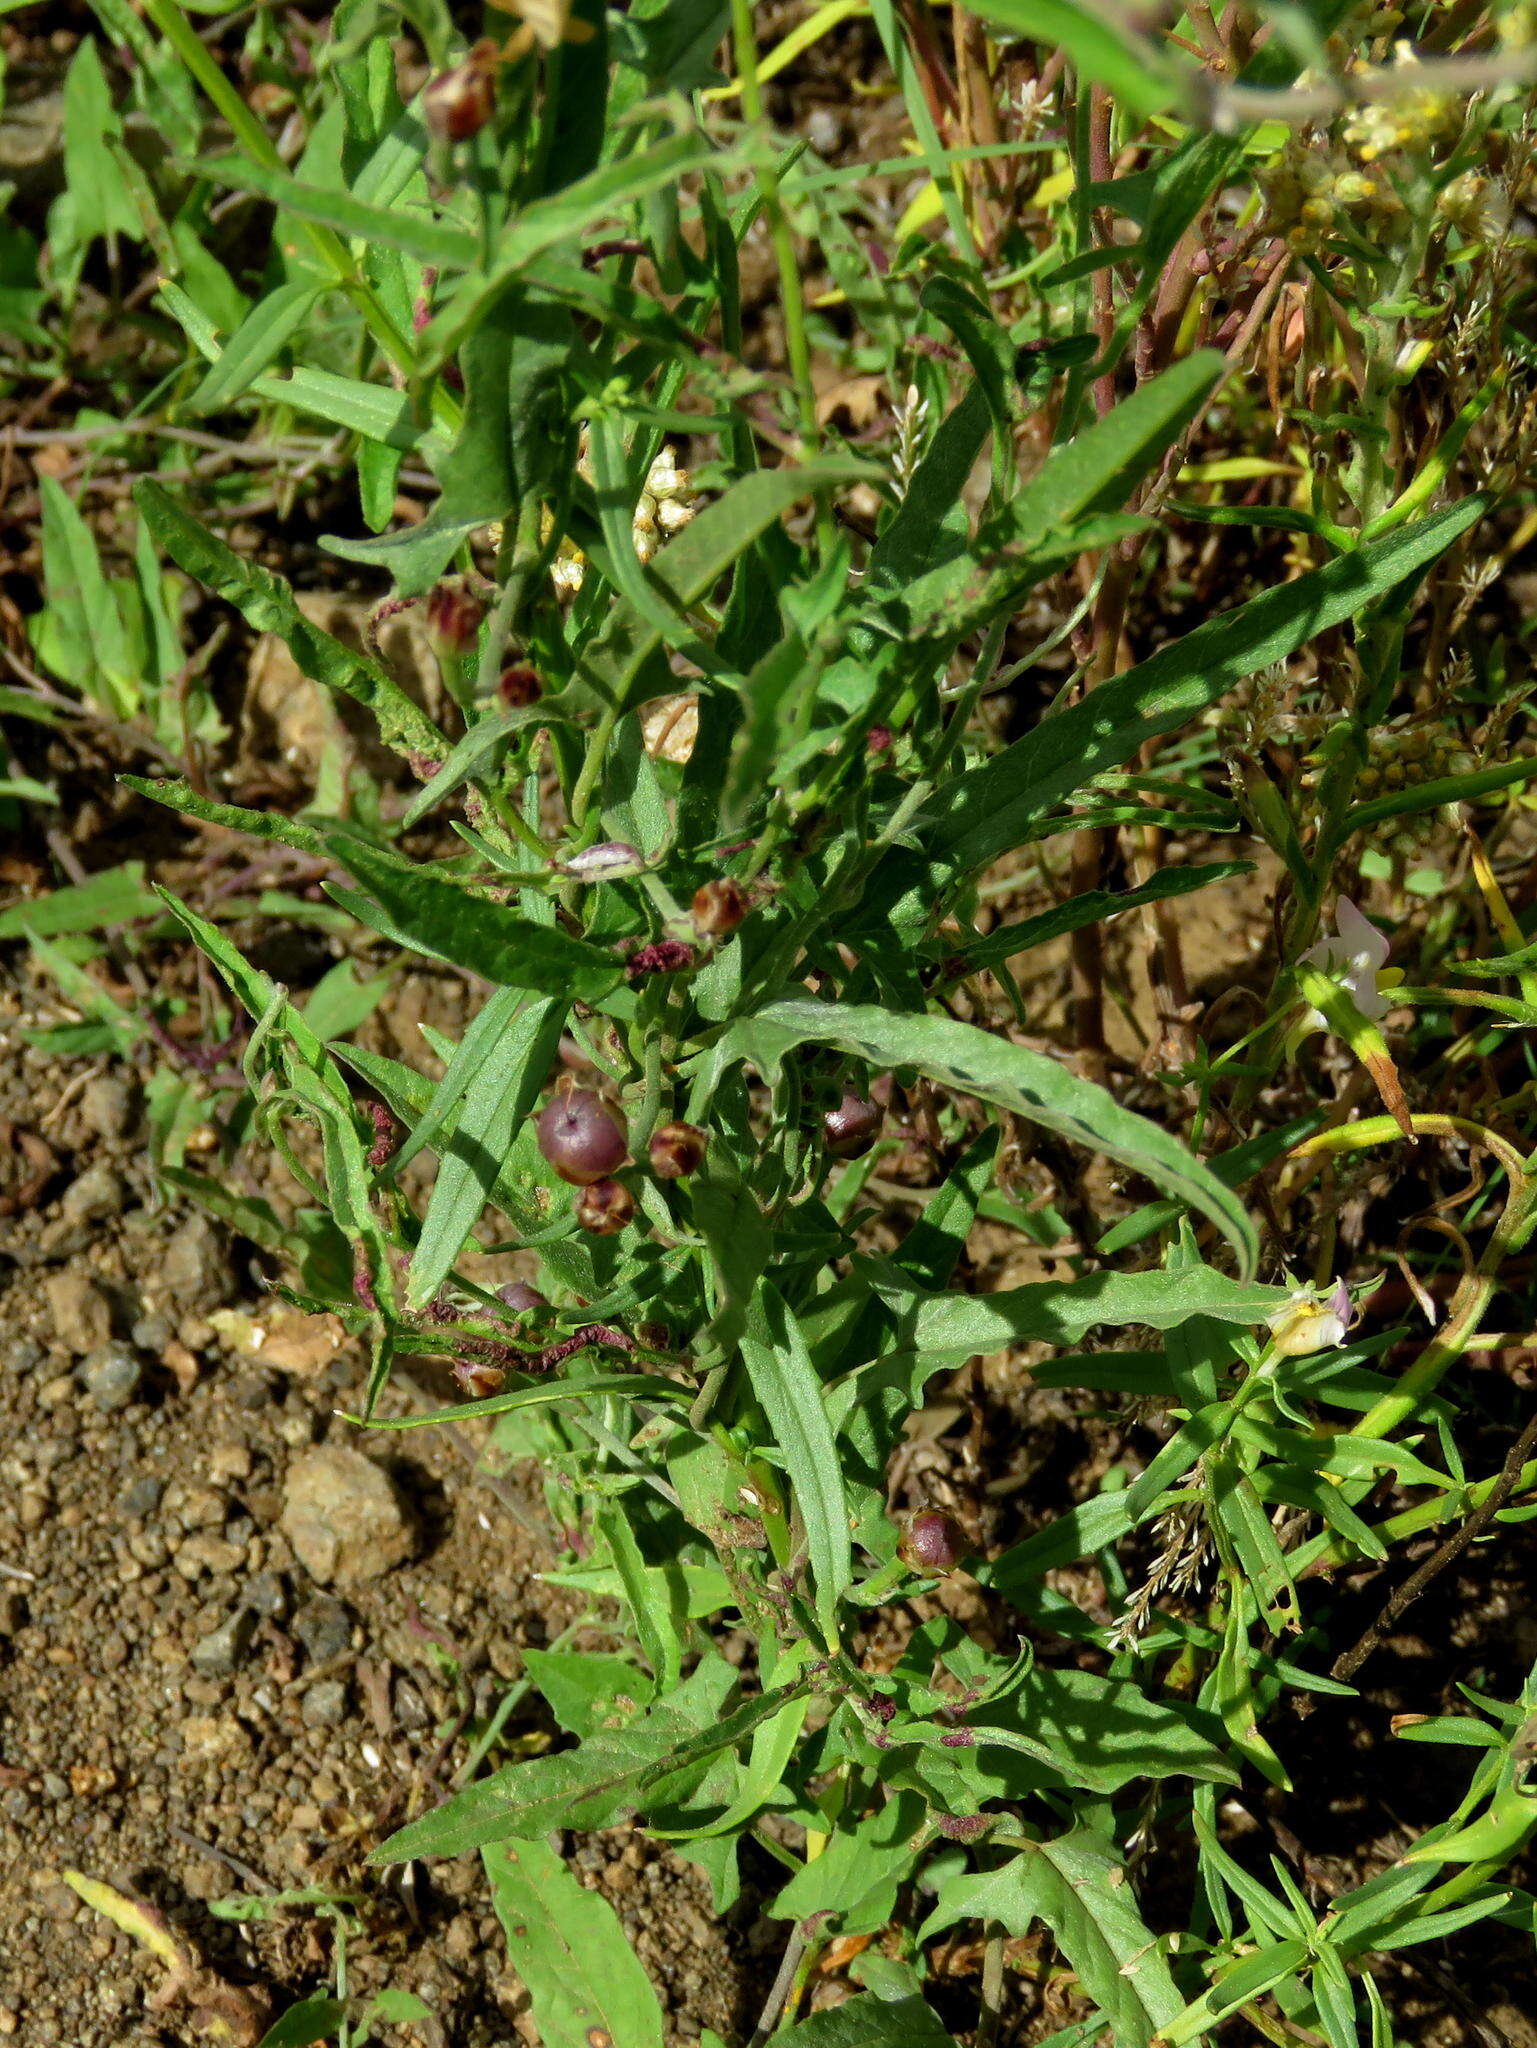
x=1355 y=959
x=1311 y=1321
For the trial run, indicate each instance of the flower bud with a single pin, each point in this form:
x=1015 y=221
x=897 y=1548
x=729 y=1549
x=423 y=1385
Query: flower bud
x=719 y=907
x=583 y=1137
x=520 y=1297
x=611 y=861
x=677 y=1150
x=853 y=1127
x=932 y=1543
x=453 y=618
x=458 y=103
x=605 y=1207
x=519 y=686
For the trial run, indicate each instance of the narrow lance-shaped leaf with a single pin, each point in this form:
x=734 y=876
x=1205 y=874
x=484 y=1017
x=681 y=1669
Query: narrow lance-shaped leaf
x=956 y=1326
x=1099 y=47
x=659 y=1756
x=497 y=1098
x=984 y=813
x=973 y=1062
x=786 y=1383
x=442 y=917
x=269 y=606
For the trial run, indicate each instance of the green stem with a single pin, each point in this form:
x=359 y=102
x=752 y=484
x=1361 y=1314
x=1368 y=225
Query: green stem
x=792 y=295
x=592 y=768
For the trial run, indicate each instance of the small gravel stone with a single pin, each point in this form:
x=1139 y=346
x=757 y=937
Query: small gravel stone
x=344 y=1516
x=113 y=1376
x=97 y=1194
x=152 y=1332
x=23 y=1354
x=204 y=1553
x=325 y=1704
x=194 y=1268
x=266 y=1594
x=79 y=1312
x=253 y=1391
x=110 y=1106
x=142 y=1498
x=824 y=130
x=55 y=1787
x=324 y=1626
x=217 y=1655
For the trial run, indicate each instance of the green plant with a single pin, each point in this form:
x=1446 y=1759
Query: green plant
x=527 y=278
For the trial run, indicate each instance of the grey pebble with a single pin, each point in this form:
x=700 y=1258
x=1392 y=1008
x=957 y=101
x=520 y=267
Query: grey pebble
x=109 y=1106
x=824 y=130
x=324 y=1627
x=142 y=1498
x=194 y=1267
x=266 y=1593
x=217 y=1655
x=152 y=1332
x=97 y=1194
x=113 y=1375
x=23 y=1354
x=325 y=1704
x=55 y=1787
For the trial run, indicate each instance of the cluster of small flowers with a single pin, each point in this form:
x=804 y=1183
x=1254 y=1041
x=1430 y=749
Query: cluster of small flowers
x=1314 y=183
x=1410 y=751
x=1414 y=119
x=668 y=501
x=1320 y=184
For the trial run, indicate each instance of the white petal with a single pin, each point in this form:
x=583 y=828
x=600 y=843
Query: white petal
x=1360 y=935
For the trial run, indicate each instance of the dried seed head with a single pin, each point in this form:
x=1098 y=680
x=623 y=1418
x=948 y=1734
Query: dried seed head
x=853 y=1127
x=605 y=1207
x=963 y=1827
x=662 y=956
x=386 y=1135
x=719 y=907
x=453 y=618
x=932 y=1543
x=677 y=1150
x=458 y=103
x=609 y=862
x=583 y=1137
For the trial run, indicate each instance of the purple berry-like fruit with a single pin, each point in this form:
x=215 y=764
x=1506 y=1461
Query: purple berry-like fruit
x=518 y=686
x=583 y=1137
x=520 y=1297
x=932 y=1543
x=853 y=1127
